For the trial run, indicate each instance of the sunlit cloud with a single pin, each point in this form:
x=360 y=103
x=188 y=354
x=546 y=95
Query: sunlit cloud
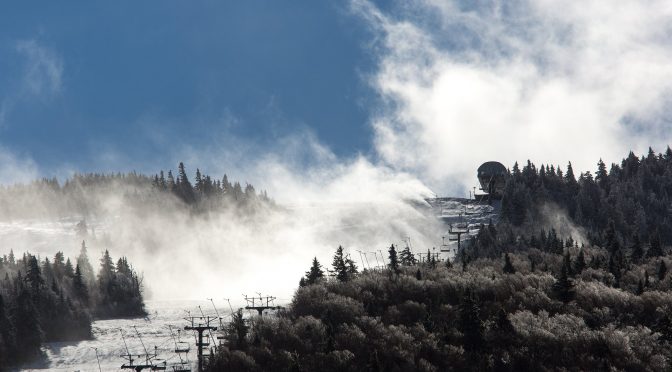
x=550 y=81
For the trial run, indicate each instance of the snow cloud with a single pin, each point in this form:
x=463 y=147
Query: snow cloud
x=554 y=81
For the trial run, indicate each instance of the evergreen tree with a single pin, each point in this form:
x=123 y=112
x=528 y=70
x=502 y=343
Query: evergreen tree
x=68 y=269
x=27 y=324
x=640 y=288
x=470 y=323
x=339 y=265
x=85 y=267
x=601 y=176
x=79 y=287
x=236 y=332
x=655 y=247
x=406 y=257
x=563 y=286
x=637 y=250
x=184 y=189
x=662 y=270
x=7 y=337
x=315 y=273
x=394 y=261
x=508 y=266
x=350 y=264
x=580 y=263
x=34 y=275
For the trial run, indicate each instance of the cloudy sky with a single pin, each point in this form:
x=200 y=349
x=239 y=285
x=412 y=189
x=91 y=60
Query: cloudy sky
x=425 y=88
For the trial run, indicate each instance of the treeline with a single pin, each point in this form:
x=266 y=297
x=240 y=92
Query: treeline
x=89 y=194
x=522 y=295
x=529 y=310
x=633 y=199
x=206 y=191
x=44 y=300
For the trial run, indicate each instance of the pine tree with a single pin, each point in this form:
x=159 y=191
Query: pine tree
x=106 y=277
x=315 y=273
x=470 y=323
x=612 y=243
x=184 y=189
x=640 y=288
x=655 y=248
x=394 y=261
x=601 y=176
x=406 y=257
x=68 y=269
x=27 y=325
x=637 y=250
x=508 y=266
x=350 y=264
x=662 y=270
x=563 y=286
x=340 y=268
x=198 y=182
x=79 y=287
x=236 y=332
x=580 y=263
x=569 y=176
x=85 y=266
x=34 y=275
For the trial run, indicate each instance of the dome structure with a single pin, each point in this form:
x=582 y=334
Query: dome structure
x=492 y=176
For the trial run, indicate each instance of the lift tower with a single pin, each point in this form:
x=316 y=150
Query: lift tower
x=200 y=324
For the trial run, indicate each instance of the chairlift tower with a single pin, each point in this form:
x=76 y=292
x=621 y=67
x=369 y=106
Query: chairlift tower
x=150 y=360
x=261 y=303
x=201 y=324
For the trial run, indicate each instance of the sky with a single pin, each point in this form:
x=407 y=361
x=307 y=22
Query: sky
x=425 y=88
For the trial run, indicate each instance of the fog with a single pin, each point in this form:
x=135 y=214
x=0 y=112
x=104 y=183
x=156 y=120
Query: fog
x=230 y=252
x=459 y=84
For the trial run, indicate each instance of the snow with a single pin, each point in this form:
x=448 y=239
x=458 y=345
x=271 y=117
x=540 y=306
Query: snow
x=154 y=332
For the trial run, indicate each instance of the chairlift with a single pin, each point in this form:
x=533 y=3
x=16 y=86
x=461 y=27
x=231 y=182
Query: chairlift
x=182 y=347
x=182 y=367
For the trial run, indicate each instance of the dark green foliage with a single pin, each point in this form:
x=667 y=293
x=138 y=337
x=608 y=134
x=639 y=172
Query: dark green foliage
x=314 y=274
x=655 y=248
x=662 y=270
x=508 y=266
x=394 y=261
x=637 y=251
x=43 y=300
x=406 y=257
x=470 y=323
x=563 y=287
x=236 y=332
x=580 y=263
x=340 y=266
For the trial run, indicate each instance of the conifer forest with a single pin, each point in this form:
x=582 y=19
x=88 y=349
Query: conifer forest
x=346 y=186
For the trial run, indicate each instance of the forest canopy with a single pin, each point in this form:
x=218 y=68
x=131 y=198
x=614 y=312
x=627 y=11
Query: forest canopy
x=522 y=295
x=45 y=300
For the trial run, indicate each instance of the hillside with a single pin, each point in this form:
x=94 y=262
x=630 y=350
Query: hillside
x=573 y=276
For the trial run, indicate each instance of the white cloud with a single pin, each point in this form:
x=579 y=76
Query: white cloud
x=552 y=81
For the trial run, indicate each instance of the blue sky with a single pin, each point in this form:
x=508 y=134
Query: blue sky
x=79 y=79
x=430 y=88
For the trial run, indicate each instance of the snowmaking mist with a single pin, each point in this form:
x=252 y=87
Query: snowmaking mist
x=226 y=252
